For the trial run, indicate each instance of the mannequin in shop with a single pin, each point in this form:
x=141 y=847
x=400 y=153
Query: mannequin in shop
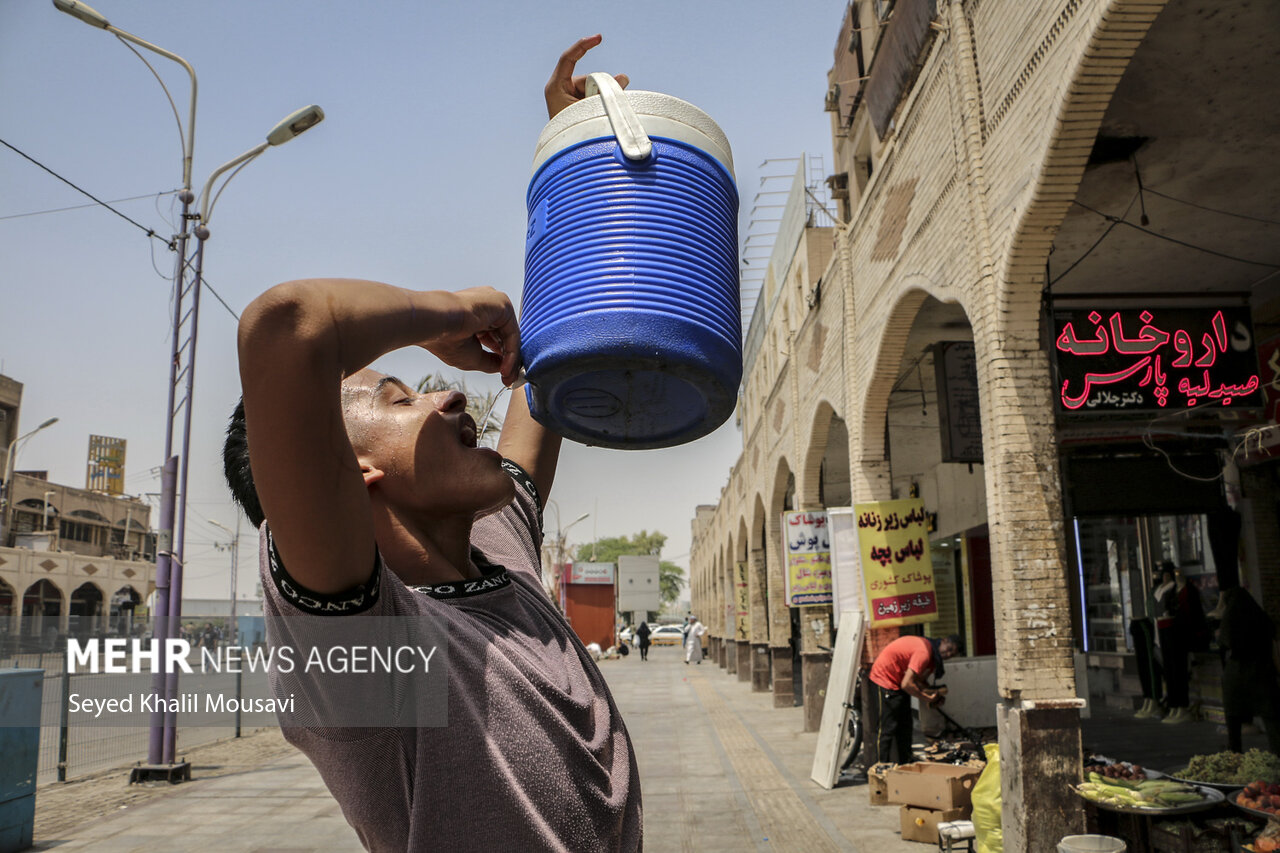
x=1173 y=655
x=1143 y=631
x=1183 y=629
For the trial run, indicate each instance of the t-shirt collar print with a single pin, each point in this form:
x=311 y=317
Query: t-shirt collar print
x=492 y=577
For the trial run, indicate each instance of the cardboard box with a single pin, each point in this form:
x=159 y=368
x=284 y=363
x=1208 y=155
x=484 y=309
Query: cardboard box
x=922 y=824
x=878 y=785
x=932 y=786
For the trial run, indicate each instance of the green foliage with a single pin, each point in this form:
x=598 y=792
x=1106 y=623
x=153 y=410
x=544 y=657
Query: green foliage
x=609 y=548
x=670 y=579
x=478 y=403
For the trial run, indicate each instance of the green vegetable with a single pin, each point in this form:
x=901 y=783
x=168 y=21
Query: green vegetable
x=1233 y=768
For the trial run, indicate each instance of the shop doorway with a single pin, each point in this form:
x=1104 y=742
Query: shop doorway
x=981 y=597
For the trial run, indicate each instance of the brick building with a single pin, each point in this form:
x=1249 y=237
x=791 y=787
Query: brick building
x=1006 y=169
x=73 y=562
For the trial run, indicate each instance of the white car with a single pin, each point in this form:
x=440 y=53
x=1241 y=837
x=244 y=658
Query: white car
x=667 y=635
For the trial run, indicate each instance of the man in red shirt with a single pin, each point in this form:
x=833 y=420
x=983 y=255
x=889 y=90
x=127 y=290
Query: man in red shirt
x=901 y=671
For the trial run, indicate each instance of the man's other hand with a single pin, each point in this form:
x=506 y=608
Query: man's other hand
x=483 y=334
x=564 y=88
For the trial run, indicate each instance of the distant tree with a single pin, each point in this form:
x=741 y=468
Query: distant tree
x=670 y=580
x=609 y=548
x=478 y=403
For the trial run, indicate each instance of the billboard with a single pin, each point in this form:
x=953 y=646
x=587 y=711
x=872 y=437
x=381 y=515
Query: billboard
x=589 y=573
x=106 y=465
x=808 y=551
x=638 y=587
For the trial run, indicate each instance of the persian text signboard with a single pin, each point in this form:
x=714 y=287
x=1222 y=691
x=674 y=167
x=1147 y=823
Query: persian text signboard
x=896 y=566
x=742 y=601
x=1134 y=359
x=808 y=549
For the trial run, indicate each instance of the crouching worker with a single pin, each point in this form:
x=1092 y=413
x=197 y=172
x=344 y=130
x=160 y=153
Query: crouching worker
x=377 y=507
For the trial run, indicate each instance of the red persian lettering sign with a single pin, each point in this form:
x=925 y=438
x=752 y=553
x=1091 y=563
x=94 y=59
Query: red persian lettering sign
x=1136 y=359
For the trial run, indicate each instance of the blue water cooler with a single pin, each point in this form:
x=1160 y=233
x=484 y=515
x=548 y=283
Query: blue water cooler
x=630 y=326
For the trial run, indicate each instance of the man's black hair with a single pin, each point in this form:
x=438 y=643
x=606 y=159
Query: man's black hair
x=235 y=467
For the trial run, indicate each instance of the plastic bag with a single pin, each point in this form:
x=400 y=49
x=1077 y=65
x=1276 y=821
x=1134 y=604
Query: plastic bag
x=987 y=804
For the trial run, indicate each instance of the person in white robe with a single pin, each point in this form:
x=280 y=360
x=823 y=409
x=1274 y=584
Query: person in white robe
x=693 y=641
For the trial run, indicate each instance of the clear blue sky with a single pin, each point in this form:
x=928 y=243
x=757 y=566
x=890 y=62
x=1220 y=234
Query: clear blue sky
x=416 y=177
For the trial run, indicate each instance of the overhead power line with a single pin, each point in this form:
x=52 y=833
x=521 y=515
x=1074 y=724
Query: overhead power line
x=25 y=156
x=83 y=206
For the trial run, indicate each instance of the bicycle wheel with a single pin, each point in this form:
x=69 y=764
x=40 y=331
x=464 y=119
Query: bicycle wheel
x=850 y=739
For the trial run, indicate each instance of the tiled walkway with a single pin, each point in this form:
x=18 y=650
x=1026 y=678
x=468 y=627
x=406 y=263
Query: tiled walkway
x=721 y=770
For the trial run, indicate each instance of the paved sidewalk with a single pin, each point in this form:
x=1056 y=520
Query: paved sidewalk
x=721 y=770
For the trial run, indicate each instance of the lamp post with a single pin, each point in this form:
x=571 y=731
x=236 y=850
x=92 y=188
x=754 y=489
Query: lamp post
x=11 y=454
x=560 y=540
x=171 y=531
x=291 y=126
x=234 y=547
x=165 y=551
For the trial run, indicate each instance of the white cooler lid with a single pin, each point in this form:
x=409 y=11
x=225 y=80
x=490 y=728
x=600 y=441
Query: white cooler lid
x=662 y=115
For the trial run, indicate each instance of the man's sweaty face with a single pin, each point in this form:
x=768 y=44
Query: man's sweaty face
x=424 y=445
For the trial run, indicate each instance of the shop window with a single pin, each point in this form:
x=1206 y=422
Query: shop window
x=1118 y=563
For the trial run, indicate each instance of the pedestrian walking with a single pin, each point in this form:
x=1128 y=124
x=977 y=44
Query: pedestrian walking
x=693 y=641
x=642 y=640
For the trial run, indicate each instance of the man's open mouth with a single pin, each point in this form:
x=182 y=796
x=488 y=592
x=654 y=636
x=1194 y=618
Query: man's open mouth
x=468 y=431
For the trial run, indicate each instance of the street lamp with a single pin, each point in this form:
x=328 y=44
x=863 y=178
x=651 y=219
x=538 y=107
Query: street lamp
x=86 y=13
x=235 y=570
x=162 y=740
x=291 y=126
x=11 y=454
x=560 y=540
x=171 y=535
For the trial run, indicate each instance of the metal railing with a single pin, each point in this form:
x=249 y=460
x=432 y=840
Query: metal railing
x=69 y=750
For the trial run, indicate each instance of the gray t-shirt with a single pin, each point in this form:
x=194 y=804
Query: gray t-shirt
x=535 y=755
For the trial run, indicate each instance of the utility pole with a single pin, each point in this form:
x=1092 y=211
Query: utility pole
x=234 y=548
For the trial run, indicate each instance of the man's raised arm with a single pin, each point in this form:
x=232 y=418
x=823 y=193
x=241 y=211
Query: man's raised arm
x=297 y=342
x=524 y=441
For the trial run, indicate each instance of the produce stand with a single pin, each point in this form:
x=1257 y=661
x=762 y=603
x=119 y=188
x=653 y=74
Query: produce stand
x=1225 y=788
x=1234 y=800
x=1134 y=824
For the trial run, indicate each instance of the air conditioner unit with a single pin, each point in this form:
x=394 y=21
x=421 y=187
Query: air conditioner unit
x=839 y=186
x=832 y=102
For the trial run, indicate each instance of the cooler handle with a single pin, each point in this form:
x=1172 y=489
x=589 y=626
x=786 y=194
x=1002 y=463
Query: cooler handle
x=626 y=125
